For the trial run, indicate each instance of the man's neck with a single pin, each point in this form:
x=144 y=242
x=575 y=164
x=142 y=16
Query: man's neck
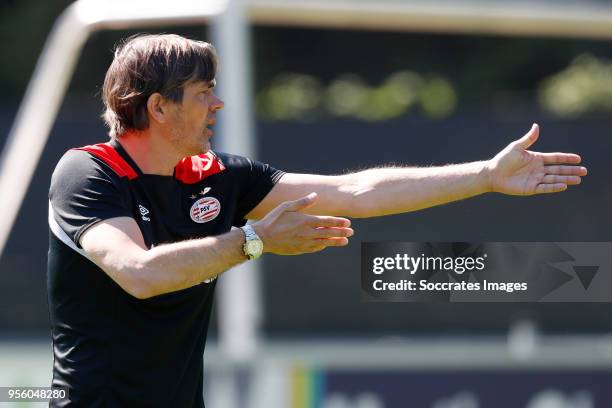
x=149 y=153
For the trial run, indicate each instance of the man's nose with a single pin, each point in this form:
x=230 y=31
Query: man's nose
x=218 y=103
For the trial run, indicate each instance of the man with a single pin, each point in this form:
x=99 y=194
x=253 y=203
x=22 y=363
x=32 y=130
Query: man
x=142 y=225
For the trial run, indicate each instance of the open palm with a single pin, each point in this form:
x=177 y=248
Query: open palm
x=518 y=171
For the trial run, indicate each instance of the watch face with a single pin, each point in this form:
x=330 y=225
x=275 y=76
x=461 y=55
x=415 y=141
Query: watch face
x=254 y=247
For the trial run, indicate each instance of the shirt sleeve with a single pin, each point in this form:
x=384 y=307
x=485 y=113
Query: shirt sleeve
x=83 y=192
x=253 y=179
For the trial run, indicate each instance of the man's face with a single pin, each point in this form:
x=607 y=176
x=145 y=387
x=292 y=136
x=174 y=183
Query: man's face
x=192 y=117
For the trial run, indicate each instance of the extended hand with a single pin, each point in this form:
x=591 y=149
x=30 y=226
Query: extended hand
x=288 y=231
x=518 y=171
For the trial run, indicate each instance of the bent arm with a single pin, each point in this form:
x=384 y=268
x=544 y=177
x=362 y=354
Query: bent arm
x=117 y=247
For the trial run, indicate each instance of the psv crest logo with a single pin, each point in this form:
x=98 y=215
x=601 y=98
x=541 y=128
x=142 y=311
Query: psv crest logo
x=205 y=209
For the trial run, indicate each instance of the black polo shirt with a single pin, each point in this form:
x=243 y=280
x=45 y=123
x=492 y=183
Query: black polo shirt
x=111 y=349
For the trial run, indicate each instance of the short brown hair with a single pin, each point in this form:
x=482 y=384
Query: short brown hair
x=146 y=64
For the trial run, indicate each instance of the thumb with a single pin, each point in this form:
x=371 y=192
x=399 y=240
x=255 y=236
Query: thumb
x=529 y=138
x=301 y=203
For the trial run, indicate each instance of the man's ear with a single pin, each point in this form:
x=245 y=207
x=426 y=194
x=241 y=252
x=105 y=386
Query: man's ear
x=157 y=107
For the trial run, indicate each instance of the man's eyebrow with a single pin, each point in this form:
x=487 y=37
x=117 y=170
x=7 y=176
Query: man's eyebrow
x=205 y=85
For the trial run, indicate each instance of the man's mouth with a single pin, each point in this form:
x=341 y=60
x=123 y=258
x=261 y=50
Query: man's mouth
x=209 y=131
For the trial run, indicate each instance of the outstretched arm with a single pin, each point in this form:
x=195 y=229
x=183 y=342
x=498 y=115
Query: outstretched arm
x=392 y=190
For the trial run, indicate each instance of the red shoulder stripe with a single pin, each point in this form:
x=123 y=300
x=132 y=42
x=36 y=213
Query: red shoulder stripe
x=192 y=169
x=109 y=155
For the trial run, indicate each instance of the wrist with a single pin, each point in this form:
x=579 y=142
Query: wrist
x=261 y=232
x=485 y=174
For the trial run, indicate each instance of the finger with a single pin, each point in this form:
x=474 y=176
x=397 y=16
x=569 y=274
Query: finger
x=336 y=242
x=550 y=188
x=558 y=158
x=301 y=203
x=333 y=232
x=566 y=170
x=316 y=221
x=553 y=178
x=529 y=138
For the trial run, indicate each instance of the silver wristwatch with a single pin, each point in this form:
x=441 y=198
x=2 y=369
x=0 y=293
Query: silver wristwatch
x=253 y=246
